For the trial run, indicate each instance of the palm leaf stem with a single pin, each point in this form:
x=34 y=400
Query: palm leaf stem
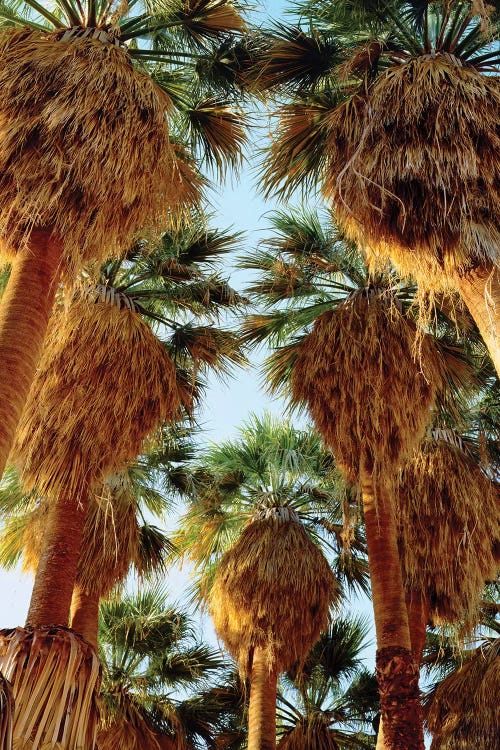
x=92 y=12
x=45 y=13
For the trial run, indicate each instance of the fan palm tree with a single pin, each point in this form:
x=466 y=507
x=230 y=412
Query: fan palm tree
x=87 y=159
x=461 y=709
x=348 y=349
x=149 y=654
x=104 y=383
x=392 y=108
x=332 y=703
x=260 y=569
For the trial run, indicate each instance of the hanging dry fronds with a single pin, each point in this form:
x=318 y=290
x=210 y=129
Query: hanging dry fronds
x=55 y=680
x=448 y=514
x=6 y=714
x=414 y=167
x=84 y=146
x=368 y=381
x=312 y=732
x=104 y=382
x=463 y=712
x=130 y=731
x=259 y=582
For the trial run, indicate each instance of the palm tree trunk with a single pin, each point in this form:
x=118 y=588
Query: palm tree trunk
x=262 y=704
x=24 y=314
x=85 y=614
x=397 y=674
x=480 y=290
x=56 y=573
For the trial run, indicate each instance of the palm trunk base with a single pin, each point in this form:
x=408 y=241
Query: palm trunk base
x=55 y=683
x=397 y=677
x=6 y=714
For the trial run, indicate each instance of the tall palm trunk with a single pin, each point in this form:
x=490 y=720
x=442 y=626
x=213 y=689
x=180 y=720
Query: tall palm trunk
x=56 y=573
x=85 y=614
x=397 y=674
x=24 y=314
x=480 y=290
x=262 y=704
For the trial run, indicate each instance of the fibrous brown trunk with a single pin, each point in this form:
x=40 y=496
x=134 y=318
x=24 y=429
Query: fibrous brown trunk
x=85 y=614
x=262 y=704
x=397 y=674
x=24 y=314
x=56 y=573
x=480 y=290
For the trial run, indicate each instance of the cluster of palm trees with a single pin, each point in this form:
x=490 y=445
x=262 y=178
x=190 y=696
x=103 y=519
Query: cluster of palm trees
x=381 y=316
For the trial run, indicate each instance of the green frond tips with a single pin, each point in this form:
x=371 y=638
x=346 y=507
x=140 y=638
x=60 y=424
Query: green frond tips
x=368 y=380
x=85 y=149
x=44 y=661
x=103 y=384
x=6 y=713
x=414 y=168
x=448 y=515
x=463 y=711
x=272 y=564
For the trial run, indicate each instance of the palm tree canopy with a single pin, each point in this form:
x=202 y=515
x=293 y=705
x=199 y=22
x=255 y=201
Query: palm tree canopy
x=270 y=464
x=418 y=81
x=106 y=147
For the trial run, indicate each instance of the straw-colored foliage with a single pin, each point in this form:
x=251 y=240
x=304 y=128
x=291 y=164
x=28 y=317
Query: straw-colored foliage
x=104 y=382
x=464 y=711
x=414 y=167
x=272 y=589
x=111 y=538
x=131 y=731
x=369 y=381
x=54 y=676
x=312 y=733
x=84 y=146
x=448 y=514
x=6 y=714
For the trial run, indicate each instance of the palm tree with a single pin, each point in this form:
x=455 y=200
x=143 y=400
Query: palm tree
x=461 y=709
x=249 y=498
x=104 y=383
x=149 y=653
x=87 y=159
x=348 y=350
x=332 y=703
x=446 y=503
x=392 y=108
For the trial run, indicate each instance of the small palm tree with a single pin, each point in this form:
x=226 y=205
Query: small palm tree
x=347 y=348
x=332 y=703
x=87 y=159
x=149 y=653
x=392 y=108
x=270 y=587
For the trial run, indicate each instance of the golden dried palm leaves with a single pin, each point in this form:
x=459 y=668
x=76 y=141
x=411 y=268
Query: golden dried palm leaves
x=448 y=514
x=54 y=676
x=368 y=381
x=273 y=589
x=6 y=714
x=464 y=709
x=103 y=384
x=414 y=168
x=310 y=733
x=84 y=146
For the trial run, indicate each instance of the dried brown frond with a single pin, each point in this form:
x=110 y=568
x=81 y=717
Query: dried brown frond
x=258 y=584
x=6 y=714
x=369 y=382
x=85 y=150
x=221 y=131
x=414 y=168
x=311 y=733
x=448 y=514
x=204 y=18
x=55 y=680
x=463 y=712
x=103 y=384
x=129 y=730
